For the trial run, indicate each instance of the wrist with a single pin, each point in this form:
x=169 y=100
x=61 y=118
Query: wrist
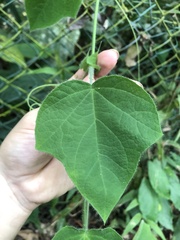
x=13 y=215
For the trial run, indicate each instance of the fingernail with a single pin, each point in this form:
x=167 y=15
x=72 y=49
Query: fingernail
x=116 y=51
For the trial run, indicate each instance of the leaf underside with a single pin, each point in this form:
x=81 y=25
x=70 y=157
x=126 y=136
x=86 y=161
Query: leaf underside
x=70 y=233
x=98 y=132
x=44 y=13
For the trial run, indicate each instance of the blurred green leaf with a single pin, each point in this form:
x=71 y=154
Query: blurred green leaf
x=165 y=214
x=163 y=54
x=110 y=3
x=69 y=39
x=175 y=191
x=176 y=235
x=127 y=197
x=156 y=229
x=158 y=179
x=144 y=232
x=174 y=183
x=148 y=201
x=175 y=157
x=132 y=224
x=32 y=50
x=134 y=203
x=10 y=52
x=44 y=70
x=173 y=163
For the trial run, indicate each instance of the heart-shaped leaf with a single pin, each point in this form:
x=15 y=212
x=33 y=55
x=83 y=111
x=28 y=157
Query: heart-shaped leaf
x=70 y=233
x=43 y=13
x=98 y=131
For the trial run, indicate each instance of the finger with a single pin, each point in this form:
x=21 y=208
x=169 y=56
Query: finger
x=79 y=75
x=107 y=61
x=50 y=182
x=55 y=171
x=28 y=121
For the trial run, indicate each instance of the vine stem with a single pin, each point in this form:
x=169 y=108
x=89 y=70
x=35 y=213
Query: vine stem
x=93 y=46
x=37 y=88
x=91 y=80
x=85 y=214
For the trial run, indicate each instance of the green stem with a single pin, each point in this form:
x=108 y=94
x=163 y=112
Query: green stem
x=91 y=79
x=93 y=46
x=95 y=26
x=85 y=215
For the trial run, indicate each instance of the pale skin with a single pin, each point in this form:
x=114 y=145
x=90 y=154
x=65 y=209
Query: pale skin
x=28 y=177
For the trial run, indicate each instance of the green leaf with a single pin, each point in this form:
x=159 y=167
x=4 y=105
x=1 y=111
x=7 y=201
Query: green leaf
x=10 y=52
x=98 y=132
x=69 y=39
x=165 y=217
x=33 y=51
x=127 y=197
x=158 y=179
x=148 y=201
x=70 y=233
x=44 y=70
x=174 y=187
x=90 y=61
x=172 y=163
x=134 y=203
x=44 y=13
x=176 y=235
x=110 y=3
x=175 y=193
x=175 y=190
x=132 y=224
x=156 y=229
x=144 y=232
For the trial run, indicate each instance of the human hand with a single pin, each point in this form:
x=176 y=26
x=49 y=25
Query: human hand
x=34 y=177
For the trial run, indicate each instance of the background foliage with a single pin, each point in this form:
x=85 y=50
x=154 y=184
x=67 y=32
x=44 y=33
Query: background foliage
x=147 y=35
